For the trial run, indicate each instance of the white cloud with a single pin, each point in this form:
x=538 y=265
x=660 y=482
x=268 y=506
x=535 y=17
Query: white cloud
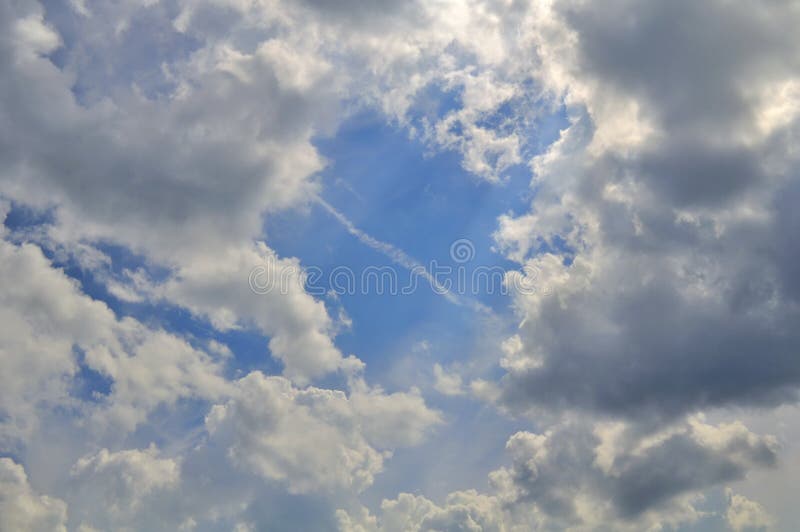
x=744 y=514
x=466 y=510
x=299 y=326
x=33 y=36
x=123 y=479
x=315 y=439
x=184 y=179
x=21 y=508
x=265 y=424
x=447 y=383
x=47 y=321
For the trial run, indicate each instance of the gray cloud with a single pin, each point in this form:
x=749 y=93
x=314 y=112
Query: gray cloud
x=671 y=190
x=638 y=476
x=692 y=63
x=579 y=475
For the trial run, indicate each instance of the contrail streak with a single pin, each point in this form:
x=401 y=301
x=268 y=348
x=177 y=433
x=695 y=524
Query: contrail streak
x=400 y=257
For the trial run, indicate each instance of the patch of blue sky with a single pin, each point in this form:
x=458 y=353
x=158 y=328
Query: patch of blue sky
x=435 y=101
x=21 y=217
x=87 y=384
x=537 y=121
x=392 y=188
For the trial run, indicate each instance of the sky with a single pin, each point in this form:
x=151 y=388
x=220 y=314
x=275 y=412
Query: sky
x=461 y=265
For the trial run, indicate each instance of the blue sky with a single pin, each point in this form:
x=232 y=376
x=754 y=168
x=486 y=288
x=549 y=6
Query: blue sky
x=388 y=187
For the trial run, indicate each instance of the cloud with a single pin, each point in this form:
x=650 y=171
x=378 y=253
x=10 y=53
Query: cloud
x=122 y=481
x=466 y=510
x=446 y=383
x=149 y=174
x=300 y=329
x=21 y=508
x=663 y=226
x=314 y=439
x=183 y=180
x=585 y=477
x=269 y=430
x=659 y=222
x=744 y=514
x=48 y=322
x=559 y=473
x=179 y=161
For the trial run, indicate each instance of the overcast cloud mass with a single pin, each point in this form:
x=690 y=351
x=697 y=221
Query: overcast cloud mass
x=623 y=176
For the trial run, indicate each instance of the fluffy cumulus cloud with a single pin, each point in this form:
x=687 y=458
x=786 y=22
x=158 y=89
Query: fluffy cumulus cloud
x=584 y=477
x=51 y=331
x=299 y=326
x=132 y=173
x=660 y=224
x=121 y=482
x=147 y=148
x=312 y=438
x=744 y=514
x=23 y=508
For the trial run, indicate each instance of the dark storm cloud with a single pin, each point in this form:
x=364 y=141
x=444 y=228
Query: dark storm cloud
x=691 y=301
x=681 y=465
x=785 y=246
x=551 y=469
x=693 y=62
x=688 y=173
x=662 y=356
